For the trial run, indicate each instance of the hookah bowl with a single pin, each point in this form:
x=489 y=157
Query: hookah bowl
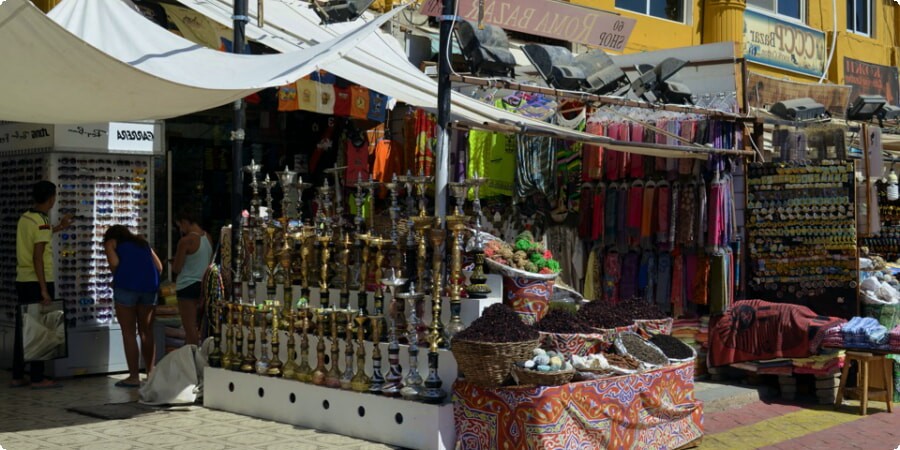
x=318 y=375
x=304 y=370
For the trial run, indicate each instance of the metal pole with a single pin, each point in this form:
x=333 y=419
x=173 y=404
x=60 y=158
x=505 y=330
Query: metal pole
x=442 y=158
x=237 y=137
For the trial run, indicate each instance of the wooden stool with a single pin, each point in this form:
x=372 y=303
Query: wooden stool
x=862 y=380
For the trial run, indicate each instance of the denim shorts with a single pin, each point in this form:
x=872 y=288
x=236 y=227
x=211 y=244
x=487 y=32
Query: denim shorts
x=127 y=297
x=189 y=292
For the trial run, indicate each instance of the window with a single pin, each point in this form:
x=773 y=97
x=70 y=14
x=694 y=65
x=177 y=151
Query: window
x=859 y=17
x=786 y=9
x=664 y=9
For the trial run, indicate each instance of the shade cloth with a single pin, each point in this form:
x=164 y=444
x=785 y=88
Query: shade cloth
x=128 y=68
x=650 y=410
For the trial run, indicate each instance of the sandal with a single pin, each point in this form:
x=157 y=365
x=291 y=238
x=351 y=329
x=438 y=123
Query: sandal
x=126 y=384
x=46 y=384
x=18 y=384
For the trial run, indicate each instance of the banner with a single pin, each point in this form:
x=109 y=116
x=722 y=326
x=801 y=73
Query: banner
x=764 y=91
x=548 y=18
x=784 y=45
x=871 y=79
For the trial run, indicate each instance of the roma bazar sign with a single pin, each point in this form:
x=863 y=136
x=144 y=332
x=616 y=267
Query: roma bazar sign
x=547 y=18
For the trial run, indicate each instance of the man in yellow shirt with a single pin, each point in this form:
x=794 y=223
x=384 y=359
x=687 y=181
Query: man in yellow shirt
x=34 y=274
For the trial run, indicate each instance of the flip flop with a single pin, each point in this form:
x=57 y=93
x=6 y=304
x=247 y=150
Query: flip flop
x=50 y=384
x=125 y=384
x=15 y=384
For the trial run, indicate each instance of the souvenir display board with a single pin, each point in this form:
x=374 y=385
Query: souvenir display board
x=887 y=242
x=802 y=235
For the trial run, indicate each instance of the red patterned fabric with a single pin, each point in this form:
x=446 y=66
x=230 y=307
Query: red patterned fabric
x=651 y=410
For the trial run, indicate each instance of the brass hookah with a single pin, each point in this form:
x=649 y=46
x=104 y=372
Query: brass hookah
x=248 y=363
x=304 y=371
x=318 y=375
x=377 y=380
x=289 y=370
x=215 y=355
x=346 y=243
x=323 y=241
x=456 y=223
x=378 y=301
x=333 y=377
x=412 y=384
x=438 y=236
x=347 y=376
x=287 y=179
x=398 y=315
x=477 y=287
x=229 y=354
x=393 y=380
x=267 y=232
x=361 y=381
x=301 y=237
x=252 y=231
x=275 y=364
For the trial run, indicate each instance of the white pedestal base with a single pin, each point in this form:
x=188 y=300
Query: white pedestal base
x=387 y=420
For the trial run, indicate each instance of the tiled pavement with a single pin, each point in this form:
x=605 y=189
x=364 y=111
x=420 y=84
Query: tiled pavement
x=37 y=419
x=736 y=420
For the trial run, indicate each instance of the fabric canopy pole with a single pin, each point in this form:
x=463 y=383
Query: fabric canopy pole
x=101 y=61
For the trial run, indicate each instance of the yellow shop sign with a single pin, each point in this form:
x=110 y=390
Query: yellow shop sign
x=784 y=45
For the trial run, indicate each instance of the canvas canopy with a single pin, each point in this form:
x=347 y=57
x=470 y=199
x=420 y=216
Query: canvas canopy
x=109 y=63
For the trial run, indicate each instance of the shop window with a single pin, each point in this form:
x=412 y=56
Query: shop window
x=664 y=9
x=784 y=9
x=859 y=17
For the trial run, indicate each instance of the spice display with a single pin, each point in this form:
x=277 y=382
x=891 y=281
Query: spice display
x=603 y=314
x=672 y=347
x=595 y=361
x=639 y=309
x=636 y=346
x=622 y=361
x=545 y=361
x=498 y=323
x=525 y=254
x=561 y=321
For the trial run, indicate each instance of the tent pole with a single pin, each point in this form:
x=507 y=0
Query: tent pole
x=237 y=137
x=442 y=158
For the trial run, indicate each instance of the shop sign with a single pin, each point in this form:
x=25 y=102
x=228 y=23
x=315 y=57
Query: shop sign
x=764 y=91
x=25 y=136
x=784 y=45
x=548 y=18
x=132 y=137
x=871 y=79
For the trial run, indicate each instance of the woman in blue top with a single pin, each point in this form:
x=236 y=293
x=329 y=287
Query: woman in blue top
x=192 y=257
x=136 y=270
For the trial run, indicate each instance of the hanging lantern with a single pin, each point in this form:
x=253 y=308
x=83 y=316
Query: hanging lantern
x=893 y=193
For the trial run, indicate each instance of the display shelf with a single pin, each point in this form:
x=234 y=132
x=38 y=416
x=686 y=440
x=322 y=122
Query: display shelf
x=390 y=421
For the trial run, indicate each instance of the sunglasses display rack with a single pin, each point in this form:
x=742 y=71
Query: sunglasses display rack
x=98 y=191
x=801 y=227
x=17 y=175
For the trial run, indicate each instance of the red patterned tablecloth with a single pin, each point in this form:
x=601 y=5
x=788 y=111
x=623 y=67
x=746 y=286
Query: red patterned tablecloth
x=652 y=410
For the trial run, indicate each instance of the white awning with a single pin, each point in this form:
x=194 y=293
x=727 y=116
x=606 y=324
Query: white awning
x=380 y=63
x=108 y=63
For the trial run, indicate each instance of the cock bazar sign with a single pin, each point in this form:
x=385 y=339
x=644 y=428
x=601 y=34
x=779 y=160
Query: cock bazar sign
x=548 y=18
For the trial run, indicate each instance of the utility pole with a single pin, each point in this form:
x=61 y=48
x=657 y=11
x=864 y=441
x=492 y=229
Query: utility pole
x=237 y=138
x=442 y=158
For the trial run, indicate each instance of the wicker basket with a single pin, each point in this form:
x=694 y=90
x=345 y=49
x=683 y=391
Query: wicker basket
x=527 y=377
x=609 y=336
x=487 y=363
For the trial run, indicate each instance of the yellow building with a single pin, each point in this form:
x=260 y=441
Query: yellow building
x=781 y=38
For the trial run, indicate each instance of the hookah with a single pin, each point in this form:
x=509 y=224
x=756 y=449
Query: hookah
x=361 y=245
x=323 y=241
x=422 y=223
x=301 y=237
x=318 y=375
x=361 y=381
x=338 y=195
x=289 y=370
x=252 y=228
x=379 y=291
x=377 y=380
x=333 y=377
x=432 y=393
x=398 y=316
x=268 y=232
x=215 y=328
x=287 y=179
x=304 y=371
x=229 y=356
x=248 y=364
x=456 y=224
x=394 y=377
x=344 y=301
x=262 y=365
x=275 y=364
x=413 y=381
x=477 y=287
x=347 y=376
x=437 y=241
